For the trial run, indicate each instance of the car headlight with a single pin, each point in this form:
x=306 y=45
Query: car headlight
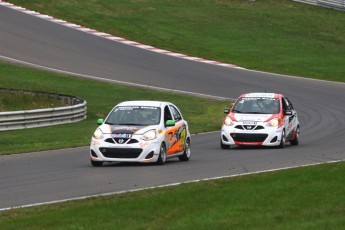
x=149 y=135
x=273 y=123
x=228 y=121
x=98 y=134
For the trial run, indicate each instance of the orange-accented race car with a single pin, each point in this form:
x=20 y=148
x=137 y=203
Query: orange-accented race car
x=267 y=119
x=141 y=131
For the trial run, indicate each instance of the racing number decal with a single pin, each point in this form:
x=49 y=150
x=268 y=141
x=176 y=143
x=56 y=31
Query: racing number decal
x=176 y=138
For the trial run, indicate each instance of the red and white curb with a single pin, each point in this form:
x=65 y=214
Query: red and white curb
x=114 y=38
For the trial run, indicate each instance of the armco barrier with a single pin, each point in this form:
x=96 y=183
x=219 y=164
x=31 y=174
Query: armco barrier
x=73 y=112
x=334 y=4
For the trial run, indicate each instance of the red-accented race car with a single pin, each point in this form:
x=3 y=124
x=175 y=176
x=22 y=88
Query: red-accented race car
x=260 y=119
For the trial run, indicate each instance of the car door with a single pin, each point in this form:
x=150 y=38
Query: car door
x=175 y=135
x=181 y=128
x=291 y=119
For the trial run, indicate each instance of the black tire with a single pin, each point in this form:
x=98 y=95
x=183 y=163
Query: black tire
x=162 y=155
x=96 y=163
x=295 y=141
x=186 y=153
x=283 y=140
x=224 y=146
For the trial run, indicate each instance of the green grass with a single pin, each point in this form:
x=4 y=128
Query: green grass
x=202 y=114
x=278 y=36
x=13 y=101
x=274 y=35
x=303 y=198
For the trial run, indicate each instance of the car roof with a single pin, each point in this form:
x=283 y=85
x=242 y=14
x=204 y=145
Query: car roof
x=143 y=103
x=268 y=95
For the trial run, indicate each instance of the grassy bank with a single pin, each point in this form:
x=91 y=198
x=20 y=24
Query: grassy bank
x=304 y=198
x=278 y=36
x=27 y=101
x=101 y=97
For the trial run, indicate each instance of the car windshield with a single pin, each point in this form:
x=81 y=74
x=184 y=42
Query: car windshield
x=134 y=115
x=257 y=105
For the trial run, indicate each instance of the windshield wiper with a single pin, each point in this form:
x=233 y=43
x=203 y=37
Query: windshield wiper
x=237 y=111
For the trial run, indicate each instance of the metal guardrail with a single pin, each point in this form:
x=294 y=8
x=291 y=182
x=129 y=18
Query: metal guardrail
x=74 y=112
x=334 y=4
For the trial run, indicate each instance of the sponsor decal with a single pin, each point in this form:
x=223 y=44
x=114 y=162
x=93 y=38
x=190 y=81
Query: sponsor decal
x=122 y=136
x=124 y=129
x=176 y=138
x=95 y=142
x=249 y=122
x=143 y=144
x=262 y=95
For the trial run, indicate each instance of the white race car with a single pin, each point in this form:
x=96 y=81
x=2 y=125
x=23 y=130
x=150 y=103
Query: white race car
x=141 y=131
x=266 y=119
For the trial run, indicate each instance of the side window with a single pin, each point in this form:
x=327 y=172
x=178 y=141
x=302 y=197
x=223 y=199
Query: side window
x=167 y=114
x=284 y=104
x=176 y=113
x=289 y=103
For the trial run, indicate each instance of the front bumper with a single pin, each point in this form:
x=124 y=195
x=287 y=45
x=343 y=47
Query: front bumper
x=258 y=135
x=128 y=150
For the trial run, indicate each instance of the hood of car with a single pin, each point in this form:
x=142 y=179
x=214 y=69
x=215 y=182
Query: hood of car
x=252 y=117
x=126 y=129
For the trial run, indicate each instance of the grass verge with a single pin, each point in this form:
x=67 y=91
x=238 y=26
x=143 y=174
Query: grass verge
x=101 y=97
x=302 y=198
x=14 y=101
x=280 y=36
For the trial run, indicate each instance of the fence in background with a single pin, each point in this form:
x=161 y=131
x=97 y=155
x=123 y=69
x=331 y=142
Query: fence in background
x=335 y=4
x=73 y=112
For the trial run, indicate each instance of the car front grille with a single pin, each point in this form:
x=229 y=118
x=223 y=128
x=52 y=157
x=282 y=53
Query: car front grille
x=121 y=141
x=121 y=152
x=249 y=127
x=246 y=137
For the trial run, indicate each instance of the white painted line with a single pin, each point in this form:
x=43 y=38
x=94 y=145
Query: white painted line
x=163 y=186
x=113 y=81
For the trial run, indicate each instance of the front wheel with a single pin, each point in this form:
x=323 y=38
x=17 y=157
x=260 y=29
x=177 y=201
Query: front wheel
x=162 y=155
x=186 y=153
x=96 y=163
x=295 y=141
x=224 y=146
x=282 y=140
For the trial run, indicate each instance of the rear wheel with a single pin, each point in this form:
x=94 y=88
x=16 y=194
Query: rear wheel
x=224 y=146
x=295 y=141
x=96 y=163
x=186 y=153
x=162 y=155
x=282 y=140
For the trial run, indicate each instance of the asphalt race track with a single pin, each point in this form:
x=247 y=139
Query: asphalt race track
x=63 y=174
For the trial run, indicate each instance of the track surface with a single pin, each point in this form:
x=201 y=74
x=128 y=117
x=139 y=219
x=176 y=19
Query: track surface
x=62 y=174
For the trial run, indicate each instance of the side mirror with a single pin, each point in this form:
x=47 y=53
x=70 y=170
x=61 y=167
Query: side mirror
x=288 y=112
x=100 y=121
x=169 y=123
x=226 y=110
